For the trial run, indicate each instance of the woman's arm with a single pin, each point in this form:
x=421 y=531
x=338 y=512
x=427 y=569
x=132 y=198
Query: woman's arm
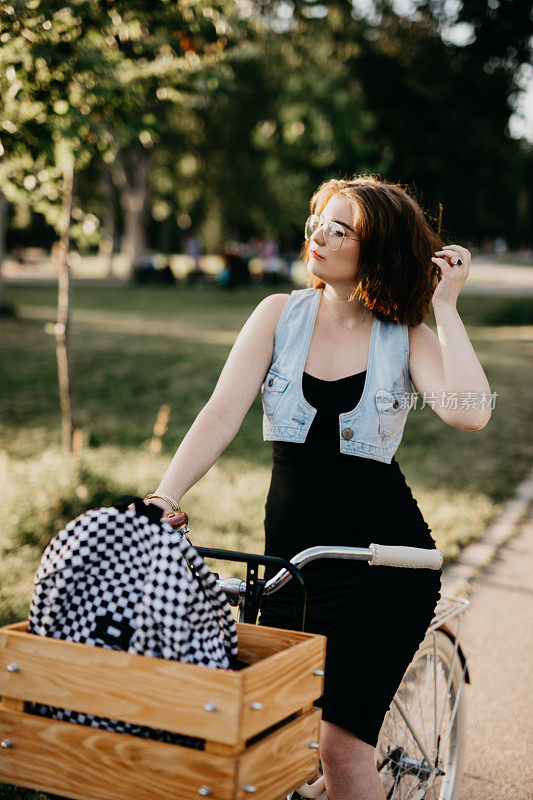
x=444 y=366
x=220 y=419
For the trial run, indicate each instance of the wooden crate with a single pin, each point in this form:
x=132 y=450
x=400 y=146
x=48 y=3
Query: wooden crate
x=259 y=738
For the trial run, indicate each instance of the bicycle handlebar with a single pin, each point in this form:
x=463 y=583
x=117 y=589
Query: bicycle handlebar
x=376 y=554
x=402 y=556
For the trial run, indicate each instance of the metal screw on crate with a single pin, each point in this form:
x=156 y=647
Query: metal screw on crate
x=205 y=790
x=255 y=706
x=6 y=743
x=248 y=788
x=314 y=745
x=210 y=707
x=12 y=667
x=319 y=672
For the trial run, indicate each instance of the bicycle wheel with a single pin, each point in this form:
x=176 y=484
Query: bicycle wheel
x=432 y=697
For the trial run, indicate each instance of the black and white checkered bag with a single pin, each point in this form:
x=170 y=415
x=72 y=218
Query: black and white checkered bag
x=122 y=579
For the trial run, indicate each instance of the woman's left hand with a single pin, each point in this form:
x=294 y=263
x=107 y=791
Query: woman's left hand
x=453 y=275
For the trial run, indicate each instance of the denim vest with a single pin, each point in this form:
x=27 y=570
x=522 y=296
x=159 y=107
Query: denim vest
x=374 y=428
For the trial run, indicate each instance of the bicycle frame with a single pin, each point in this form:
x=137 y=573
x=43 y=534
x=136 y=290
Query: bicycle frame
x=247 y=594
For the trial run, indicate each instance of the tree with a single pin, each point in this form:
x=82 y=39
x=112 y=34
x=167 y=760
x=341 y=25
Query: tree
x=305 y=119
x=442 y=109
x=3 y=226
x=92 y=79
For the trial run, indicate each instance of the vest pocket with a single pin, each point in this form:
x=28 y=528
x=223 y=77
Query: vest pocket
x=273 y=388
x=391 y=412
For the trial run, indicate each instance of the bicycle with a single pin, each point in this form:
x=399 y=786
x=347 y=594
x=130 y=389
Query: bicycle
x=420 y=749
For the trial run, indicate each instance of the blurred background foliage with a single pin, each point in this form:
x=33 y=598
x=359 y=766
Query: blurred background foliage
x=223 y=117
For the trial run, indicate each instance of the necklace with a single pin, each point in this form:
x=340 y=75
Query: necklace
x=349 y=328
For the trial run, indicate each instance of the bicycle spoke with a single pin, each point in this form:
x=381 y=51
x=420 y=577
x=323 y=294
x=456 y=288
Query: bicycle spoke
x=429 y=695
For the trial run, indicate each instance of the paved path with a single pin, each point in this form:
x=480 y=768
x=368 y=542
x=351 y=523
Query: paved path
x=497 y=634
x=488 y=276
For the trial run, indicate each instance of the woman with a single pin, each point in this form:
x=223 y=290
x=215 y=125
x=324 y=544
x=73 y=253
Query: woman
x=338 y=363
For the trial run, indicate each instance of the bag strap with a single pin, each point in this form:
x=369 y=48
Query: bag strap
x=153 y=512
x=216 y=595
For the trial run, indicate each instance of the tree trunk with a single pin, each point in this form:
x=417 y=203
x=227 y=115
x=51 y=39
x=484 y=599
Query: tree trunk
x=212 y=226
x=107 y=244
x=132 y=178
x=62 y=328
x=3 y=226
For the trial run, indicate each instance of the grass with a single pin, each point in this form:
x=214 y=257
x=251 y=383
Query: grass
x=136 y=348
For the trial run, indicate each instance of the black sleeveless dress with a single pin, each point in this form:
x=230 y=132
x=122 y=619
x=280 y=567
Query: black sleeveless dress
x=374 y=617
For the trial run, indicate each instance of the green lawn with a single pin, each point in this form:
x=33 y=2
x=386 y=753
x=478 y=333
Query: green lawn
x=135 y=349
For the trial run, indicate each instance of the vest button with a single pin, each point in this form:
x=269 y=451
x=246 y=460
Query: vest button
x=347 y=433
x=271 y=381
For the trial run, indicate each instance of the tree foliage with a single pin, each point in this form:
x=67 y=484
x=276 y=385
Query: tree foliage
x=226 y=115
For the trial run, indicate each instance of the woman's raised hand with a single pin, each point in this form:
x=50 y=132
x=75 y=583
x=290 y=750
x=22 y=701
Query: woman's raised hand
x=454 y=262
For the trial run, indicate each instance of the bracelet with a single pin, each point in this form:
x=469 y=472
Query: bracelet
x=167 y=498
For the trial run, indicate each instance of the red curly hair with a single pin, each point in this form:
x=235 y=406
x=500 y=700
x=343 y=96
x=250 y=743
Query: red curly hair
x=395 y=275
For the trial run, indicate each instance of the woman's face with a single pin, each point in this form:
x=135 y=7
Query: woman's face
x=335 y=266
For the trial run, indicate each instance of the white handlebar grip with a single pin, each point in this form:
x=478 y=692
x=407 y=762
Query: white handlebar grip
x=384 y=555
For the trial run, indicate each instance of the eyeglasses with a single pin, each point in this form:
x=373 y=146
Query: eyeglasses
x=334 y=233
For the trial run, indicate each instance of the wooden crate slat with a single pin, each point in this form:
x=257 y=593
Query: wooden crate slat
x=92 y=764
x=257 y=642
x=21 y=627
x=281 y=761
x=282 y=684
x=157 y=692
